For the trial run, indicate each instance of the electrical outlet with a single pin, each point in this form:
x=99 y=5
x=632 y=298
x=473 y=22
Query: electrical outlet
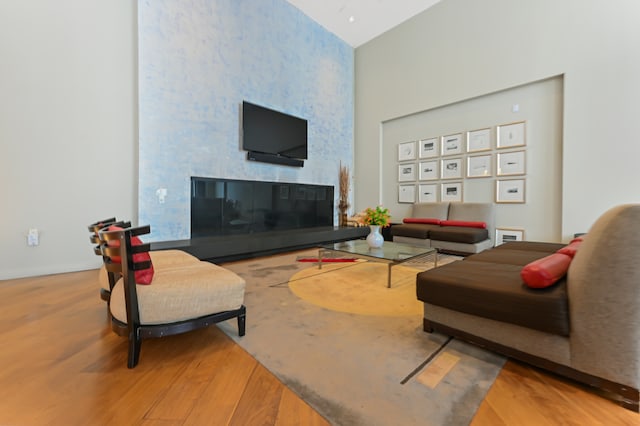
x=33 y=237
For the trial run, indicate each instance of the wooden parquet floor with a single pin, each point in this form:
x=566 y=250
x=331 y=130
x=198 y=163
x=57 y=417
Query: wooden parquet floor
x=62 y=365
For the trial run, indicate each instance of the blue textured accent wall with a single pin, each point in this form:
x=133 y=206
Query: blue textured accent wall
x=198 y=60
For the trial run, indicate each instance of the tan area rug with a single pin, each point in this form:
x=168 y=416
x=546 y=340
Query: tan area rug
x=357 y=370
x=359 y=288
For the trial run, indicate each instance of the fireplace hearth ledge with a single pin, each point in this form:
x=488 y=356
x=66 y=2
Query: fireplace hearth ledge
x=245 y=246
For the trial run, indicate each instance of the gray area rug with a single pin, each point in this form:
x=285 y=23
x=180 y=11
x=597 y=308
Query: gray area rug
x=356 y=369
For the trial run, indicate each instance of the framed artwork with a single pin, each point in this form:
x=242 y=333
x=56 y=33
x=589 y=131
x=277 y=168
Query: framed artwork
x=451 y=191
x=429 y=148
x=505 y=235
x=428 y=193
x=510 y=191
x=428 y=170
x=406 y=193
x=511 y=135
x=451 y=168
x=510 y=163
x=407 y=151
x=479 y=166
x=406 y=172
x=452 y=144
x=479 y=140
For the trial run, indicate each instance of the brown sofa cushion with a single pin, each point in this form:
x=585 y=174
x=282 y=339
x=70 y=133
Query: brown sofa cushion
x=413 y=230
x=459 y=234
x=510 y=257
x=530 y=246
x=496 y=291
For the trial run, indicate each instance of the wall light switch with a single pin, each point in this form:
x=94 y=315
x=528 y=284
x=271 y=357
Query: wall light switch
x=33 y=237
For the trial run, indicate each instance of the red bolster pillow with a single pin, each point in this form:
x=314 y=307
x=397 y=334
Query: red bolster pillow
x=544 y=272
x=429 y=221
x=467 y=223
x=143 y=276
x=571 y=249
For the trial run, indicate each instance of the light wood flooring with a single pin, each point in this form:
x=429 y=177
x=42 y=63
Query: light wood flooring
x=62 y=365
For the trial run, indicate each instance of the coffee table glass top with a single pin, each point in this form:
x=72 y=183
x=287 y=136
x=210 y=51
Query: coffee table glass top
x=390 y=251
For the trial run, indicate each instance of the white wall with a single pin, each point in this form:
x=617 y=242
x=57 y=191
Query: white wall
x=539 y=106
x=459 y=50
x=68 y=128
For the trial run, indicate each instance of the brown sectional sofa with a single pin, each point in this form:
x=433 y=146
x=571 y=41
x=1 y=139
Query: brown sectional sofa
x=585 y=326
x=458 y=239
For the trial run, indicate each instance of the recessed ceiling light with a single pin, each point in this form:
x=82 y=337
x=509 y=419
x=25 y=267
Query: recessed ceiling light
x=352 y=19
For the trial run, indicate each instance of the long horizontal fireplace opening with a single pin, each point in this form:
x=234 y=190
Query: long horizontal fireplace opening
x=231 y=207
x=235 y=219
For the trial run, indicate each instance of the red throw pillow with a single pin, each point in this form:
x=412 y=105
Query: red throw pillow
x=467 y=223
x=546 y=271
x=429 y=221
x=571 y=249
x=143 y=276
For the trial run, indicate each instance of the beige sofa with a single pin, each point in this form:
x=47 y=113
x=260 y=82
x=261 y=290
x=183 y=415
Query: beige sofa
x=600 y=344
x=454 y=239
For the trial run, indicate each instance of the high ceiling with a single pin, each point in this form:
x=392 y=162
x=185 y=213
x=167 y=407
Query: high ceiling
x=358 y=21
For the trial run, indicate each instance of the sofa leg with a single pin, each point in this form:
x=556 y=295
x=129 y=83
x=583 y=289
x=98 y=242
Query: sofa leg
x=426 y=326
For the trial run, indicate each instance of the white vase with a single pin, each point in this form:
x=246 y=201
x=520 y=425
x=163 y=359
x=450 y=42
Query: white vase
x=375 y=238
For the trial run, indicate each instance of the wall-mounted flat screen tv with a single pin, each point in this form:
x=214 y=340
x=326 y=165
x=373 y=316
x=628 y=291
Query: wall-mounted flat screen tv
x=266 y=131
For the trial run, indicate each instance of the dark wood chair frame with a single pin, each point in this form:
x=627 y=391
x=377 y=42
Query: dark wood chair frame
x=94 y=237
x=135 y=331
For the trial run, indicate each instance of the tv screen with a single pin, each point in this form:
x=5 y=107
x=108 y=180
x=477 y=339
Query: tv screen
x=272 y=132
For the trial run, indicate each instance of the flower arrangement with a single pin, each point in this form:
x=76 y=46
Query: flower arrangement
x=378 y=216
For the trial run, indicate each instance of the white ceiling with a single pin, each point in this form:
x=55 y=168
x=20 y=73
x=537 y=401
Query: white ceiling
x=371 y=17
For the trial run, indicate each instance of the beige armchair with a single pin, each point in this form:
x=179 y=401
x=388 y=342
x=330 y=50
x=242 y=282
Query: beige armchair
x=178 y=299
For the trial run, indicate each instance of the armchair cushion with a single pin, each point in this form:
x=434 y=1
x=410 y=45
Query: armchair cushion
x=161 y=259
x=182 y=293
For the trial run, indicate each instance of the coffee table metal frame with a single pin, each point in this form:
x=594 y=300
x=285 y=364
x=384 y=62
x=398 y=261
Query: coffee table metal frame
x=390 y=253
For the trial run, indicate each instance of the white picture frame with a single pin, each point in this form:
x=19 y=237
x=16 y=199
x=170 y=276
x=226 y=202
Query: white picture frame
x=479 y=166
x=407 y=151
x=428 y=170
x=511 y=135
x=479 y=140
x=428 y=193
x=406 y=193
x=406 y=172
x=451 y=145
x=510 y=191
x=505 y=235
x=451 y=168
x=429 y=148
x=451 y=191
x=511 y=163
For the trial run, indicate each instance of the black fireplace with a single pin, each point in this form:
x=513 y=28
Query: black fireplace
x=239 y=219
x=223 y=207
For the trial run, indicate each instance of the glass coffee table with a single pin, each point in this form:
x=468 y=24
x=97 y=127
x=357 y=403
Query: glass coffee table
x=390 y=253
